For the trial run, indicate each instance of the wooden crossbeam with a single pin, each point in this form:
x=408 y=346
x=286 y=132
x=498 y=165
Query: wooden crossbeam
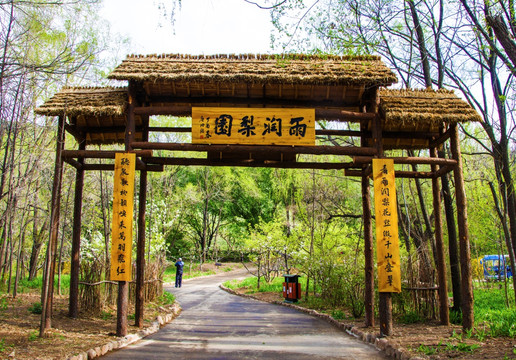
x=314 y=150
x=249 y=163
x=409 y=160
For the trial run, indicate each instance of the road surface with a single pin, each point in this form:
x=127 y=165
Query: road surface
x=216 y=325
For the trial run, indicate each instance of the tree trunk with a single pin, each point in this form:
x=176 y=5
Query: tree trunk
x=507 y=236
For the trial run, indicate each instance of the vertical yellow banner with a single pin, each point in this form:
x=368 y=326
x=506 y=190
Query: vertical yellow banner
x=387 y=242
x=122 y=228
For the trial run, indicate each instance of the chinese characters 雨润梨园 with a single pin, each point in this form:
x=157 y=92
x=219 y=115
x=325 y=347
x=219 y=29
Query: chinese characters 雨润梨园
x=224 y=124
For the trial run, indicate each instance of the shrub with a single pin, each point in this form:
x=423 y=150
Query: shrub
x=36 y=308
x=456 y=317
x=411 y=317
x=166 y=298
x=338 y=314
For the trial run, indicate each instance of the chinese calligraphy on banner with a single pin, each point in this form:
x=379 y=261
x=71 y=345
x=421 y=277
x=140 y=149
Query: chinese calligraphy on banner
x=253 y=126
x=122 y=228
x=387 y=243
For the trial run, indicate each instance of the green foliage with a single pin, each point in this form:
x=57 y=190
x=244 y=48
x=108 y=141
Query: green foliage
x=4 y=304
x=448 y=347
x=170 y=272
x=166 y=298
x=250 y=283
x=33 y=335
x=411 y=317
x=462 y=347
x=456 y=317
x=338 y=314
x=36 y=308
x=106 y=315
x=427 y=350
x=491 y=310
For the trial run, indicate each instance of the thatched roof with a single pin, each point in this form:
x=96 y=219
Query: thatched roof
x=420 y=112
x=98 y=112
x=87 y=101
x=409 y=107
x=257 y=69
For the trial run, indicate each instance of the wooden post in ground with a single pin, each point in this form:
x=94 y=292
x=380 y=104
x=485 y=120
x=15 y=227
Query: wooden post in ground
x=47 y=291
x=464 y=245
x=385 y=310
x=140 y=250
x=121 y=309
x=385 y=298
x=73 y=305
x=123 y=286
x=368 y=252
x=439 y=246
x=453 y=252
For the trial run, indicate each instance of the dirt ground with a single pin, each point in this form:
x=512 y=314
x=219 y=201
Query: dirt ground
x=20 y=328
x=431 y=340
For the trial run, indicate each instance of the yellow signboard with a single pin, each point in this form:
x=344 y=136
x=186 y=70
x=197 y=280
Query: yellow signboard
x=122 y=228
x=387 y=242
x=253 y=126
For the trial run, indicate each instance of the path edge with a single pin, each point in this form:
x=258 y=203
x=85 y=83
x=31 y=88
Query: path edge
x=382 y=344
x=161 y=320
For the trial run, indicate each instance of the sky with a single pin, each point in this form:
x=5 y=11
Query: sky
x=201 y=26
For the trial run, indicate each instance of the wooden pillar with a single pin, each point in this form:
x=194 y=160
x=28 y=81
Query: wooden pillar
x=47 y=290
x=140 y=251
x=453 y=252
x=73 y=305
x=385 y=298
x=464 y=245
x=121 y=310
x=439 y=246
x=123 y=286
x=368 y=252
x=385 y=310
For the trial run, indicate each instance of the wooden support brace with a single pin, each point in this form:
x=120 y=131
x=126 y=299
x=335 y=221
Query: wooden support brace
x=439 y=245
x=100 y=154
x=464 y=245
x=73 y=304
x=368 y=253
x=47 y=291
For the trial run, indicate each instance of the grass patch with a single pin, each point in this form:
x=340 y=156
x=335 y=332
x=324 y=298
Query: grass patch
x=491 y=311
x=166 y=299
x=27 y=286
x=33 y=335
x=36 y=308
x=427 y=350
x=338 y=314
x=169 y=276
x=411 y=317
x=250 y=283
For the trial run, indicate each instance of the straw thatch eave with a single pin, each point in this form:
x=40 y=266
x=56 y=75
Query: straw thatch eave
x=257 y=69
x=405 y=108
x=86 y=101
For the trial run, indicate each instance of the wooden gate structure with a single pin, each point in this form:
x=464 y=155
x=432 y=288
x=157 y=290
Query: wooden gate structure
x=348 y=94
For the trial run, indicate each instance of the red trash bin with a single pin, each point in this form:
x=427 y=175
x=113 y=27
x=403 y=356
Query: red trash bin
x=291 y=288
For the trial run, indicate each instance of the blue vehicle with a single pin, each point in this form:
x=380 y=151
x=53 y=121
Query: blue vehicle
x=496 y=267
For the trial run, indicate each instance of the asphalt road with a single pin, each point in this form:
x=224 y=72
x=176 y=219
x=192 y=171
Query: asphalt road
x=216 y=325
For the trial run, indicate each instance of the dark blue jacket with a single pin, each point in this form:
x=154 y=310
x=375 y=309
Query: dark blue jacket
x=179 y=266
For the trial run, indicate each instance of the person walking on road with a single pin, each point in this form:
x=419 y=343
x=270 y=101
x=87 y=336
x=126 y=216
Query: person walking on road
x=179 y=272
